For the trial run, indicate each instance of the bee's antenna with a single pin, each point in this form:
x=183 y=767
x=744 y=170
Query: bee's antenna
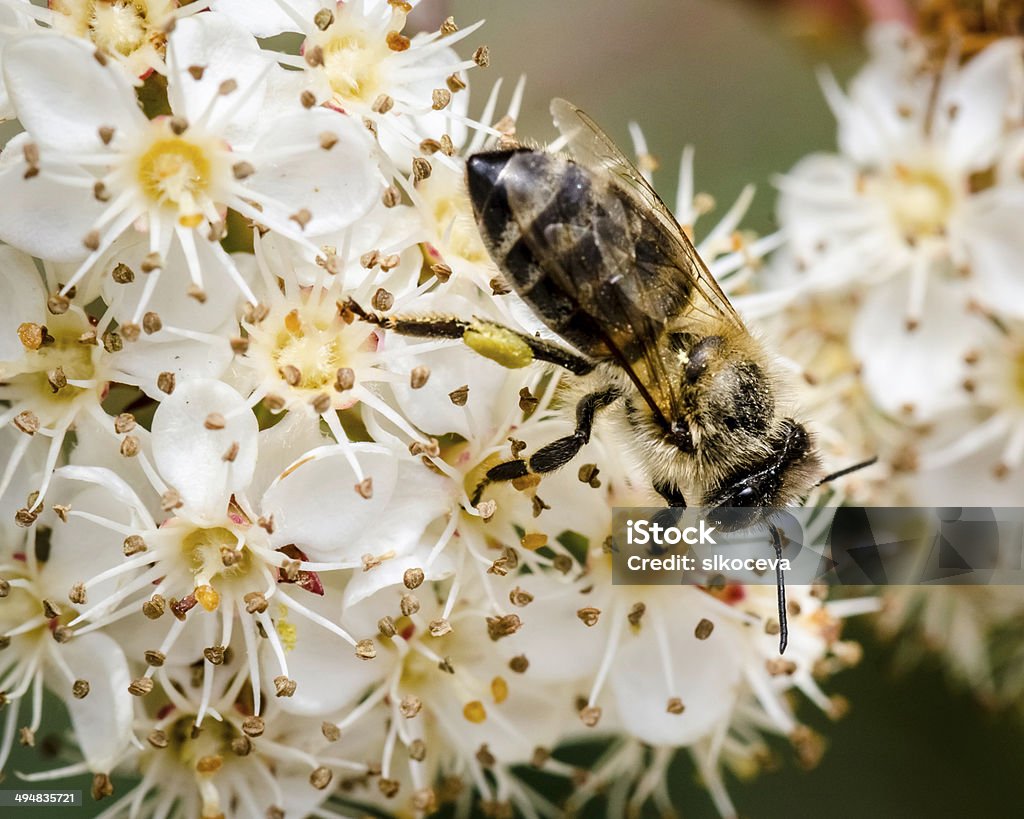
x=781 y=585
x=847 y=470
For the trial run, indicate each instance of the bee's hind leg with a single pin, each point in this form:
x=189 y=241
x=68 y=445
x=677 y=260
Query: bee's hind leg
x=558 y=453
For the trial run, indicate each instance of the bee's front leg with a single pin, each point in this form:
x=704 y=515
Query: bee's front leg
x=556 y=454
x=672 y=494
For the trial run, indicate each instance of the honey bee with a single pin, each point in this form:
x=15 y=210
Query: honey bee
x=656 y=346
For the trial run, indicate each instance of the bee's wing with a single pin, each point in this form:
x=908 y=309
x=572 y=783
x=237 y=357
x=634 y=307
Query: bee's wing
x=593 y=148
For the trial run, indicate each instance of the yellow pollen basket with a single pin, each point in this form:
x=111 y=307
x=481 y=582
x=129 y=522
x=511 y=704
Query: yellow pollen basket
x=176 y=172
x=498 y=344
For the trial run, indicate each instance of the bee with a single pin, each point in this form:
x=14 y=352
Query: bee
x=654 y=343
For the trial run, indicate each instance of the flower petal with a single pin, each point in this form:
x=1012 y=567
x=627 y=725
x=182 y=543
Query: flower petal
x=24 y=299
x=102 y=721
x=191 y=457
x=63 y=95
x=265 y=18
x=336 y=186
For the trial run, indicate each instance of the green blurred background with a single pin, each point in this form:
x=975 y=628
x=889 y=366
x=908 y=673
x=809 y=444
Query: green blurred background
x=737 y=80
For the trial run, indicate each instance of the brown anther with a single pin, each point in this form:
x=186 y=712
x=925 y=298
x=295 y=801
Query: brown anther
x=482 y=56
x=345 y=379
x=314 y=56
x=50 y=609
x=291 y=375
x=152 y=261
x=448 y=27
x=255 y=602
x=58 y=304
x=5 y=589
x=130 y=446
x=447 y=146
x=370 y=259
x=284 y=687
x=503 y=626
x=408 y=605
x=589 y=616
x=365 y=488
x=460 y=395
x=231 y=452
x=636 y=614
x=180 y=608
x=588 y=475
x=239 y=345
x=165 y=382
x=214 y=654
x=321 y=778
x=485 y=757
x=302 y=217
x=429 y=146
x=92 y=240
x=88 y=337
x=154 y=607
x=323 y=19
x=214 y=421
x=253 y=726
x=386 y=627
x=196 y=293
x=25 y=518
x=327 y=140
x=446 y=665
x=455 y=83
x=590 y=715
x=563 y=563
x=171 y=500
x=704 y=629
x=382 y=299
x=62 y=511
x=27 y=422
x=102 y=787
x=133 y=544
x=390 y=262
x=77 y=594
x=157 y=738
x=410 y=706
x=112 y=342
x=307 y=98
x=321 y=403
x=421 y=169
x=27 y=737
x=209 y=764
x=418 y=377
x=439 y=98
x=777 y=666
x=391 y=196
x=80 y=689
x=439 y=628
x=229 y=86
x=123 y=423
x=178 y=125
x=31 y=335
x=520 y=597
x=413 y=578
x=196 y=71
x=388 y=787
x=140 y=686
x=154 y=658
x=1000 y=471
x=366 y=650
x=243 y=170
x=331 y=732
x=241 y=746
x=397 y=41
x=383 y=104
x=675 y=706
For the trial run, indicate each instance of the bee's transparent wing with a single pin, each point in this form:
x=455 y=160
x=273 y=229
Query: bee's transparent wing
x=687 y=282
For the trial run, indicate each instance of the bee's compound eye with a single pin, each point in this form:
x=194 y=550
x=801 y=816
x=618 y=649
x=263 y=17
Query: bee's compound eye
x=746 y=496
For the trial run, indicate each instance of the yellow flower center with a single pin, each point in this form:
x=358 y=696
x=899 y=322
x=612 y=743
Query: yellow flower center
x=352 y=66
x=177 y=172
x=920 y=201
x=123 y=28
x=215 y=560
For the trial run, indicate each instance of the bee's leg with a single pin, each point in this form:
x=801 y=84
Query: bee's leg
x=556 y=454
x=672 y=495
x=504 y=345
x=781 y=584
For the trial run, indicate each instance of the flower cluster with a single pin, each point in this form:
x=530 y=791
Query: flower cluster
x=242 y=539
x=899 y=297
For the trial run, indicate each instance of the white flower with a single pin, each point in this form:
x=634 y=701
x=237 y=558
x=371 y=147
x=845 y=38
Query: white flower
x=357 y=61
x=920 y=176
x=92 y=167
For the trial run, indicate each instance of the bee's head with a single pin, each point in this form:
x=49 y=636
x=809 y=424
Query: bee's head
x=790 y=471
